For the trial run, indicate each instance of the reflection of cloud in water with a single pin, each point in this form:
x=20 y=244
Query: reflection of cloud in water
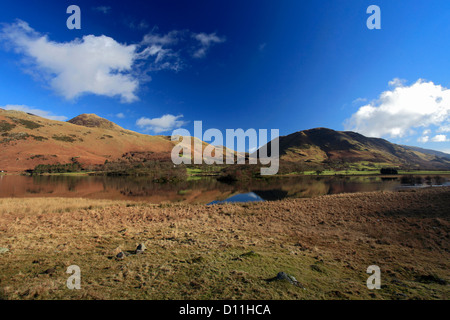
x=242 y=197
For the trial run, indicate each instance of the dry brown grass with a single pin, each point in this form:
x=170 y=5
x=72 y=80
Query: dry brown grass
x=198 y=252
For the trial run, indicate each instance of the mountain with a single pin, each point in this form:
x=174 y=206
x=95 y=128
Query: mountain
x=340 y=149
x=93 y=121
x=27 y=140
x=428 y=151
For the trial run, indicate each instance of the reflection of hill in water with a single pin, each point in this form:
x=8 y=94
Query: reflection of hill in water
x=194 y=191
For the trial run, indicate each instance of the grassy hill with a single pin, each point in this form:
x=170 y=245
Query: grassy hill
x=345 y=149
x=28 y=140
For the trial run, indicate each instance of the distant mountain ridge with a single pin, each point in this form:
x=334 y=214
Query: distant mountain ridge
x=335 y=148
x=429 y=151
x=27 y=140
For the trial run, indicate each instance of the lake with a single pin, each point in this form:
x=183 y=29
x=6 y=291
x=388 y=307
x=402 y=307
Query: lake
x=204 y=190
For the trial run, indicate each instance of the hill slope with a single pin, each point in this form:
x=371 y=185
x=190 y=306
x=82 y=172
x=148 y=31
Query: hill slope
x=428 y=151
x=27 y=140
x=337 y=149
x=91 y=120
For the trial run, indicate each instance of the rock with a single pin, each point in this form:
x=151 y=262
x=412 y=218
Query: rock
x=121 y=255
x=49 y=271
x=4 y=250
x=140 y=248
x=282 y=276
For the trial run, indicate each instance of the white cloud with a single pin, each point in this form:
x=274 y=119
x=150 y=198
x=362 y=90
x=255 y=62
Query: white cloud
x=439 y=138
x=444 y=128
x=120 y=115
x=102 y=9
x=359 y=101
x=161 y=49
x=396 y=82
x=137 y=25
x=98 y=65
x=171 y=38
x=398 y=111
x=167 y=122
x=35 y=111
x=424 y=139
x=206 y=41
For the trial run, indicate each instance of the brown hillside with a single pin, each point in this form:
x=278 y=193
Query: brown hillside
x=27 y=140
x=91 y=120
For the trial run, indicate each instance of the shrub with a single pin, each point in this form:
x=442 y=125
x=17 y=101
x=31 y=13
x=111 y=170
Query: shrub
x=388 y=171
x=63 y=138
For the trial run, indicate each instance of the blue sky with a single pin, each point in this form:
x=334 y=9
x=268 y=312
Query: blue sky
x=292 y=65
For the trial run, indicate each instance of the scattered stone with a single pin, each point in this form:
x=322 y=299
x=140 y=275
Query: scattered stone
x=4 y=250
x=282 y=276
x=121 y=255
x=49 y=271
x=140 y=248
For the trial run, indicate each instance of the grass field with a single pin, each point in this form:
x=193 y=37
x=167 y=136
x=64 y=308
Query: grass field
x=229 y=251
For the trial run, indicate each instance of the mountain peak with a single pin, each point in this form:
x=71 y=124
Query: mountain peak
x=92 y=120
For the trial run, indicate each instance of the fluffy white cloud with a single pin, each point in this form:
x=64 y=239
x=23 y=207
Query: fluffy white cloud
x=167 y=122
x=120 y=115
x=206 y=41
x=439 y=138
x=398 y=111
x=98 y=65
x=35 y=111
x=424 y=139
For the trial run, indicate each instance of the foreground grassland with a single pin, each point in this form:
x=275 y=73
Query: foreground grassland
x=229 y=251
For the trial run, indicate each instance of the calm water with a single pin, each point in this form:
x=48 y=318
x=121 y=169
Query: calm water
x=196 y=191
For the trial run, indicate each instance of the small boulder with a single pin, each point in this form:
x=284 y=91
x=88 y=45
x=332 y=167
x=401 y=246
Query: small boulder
x=121 y=255
x=140 y=248
x=282 y=276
